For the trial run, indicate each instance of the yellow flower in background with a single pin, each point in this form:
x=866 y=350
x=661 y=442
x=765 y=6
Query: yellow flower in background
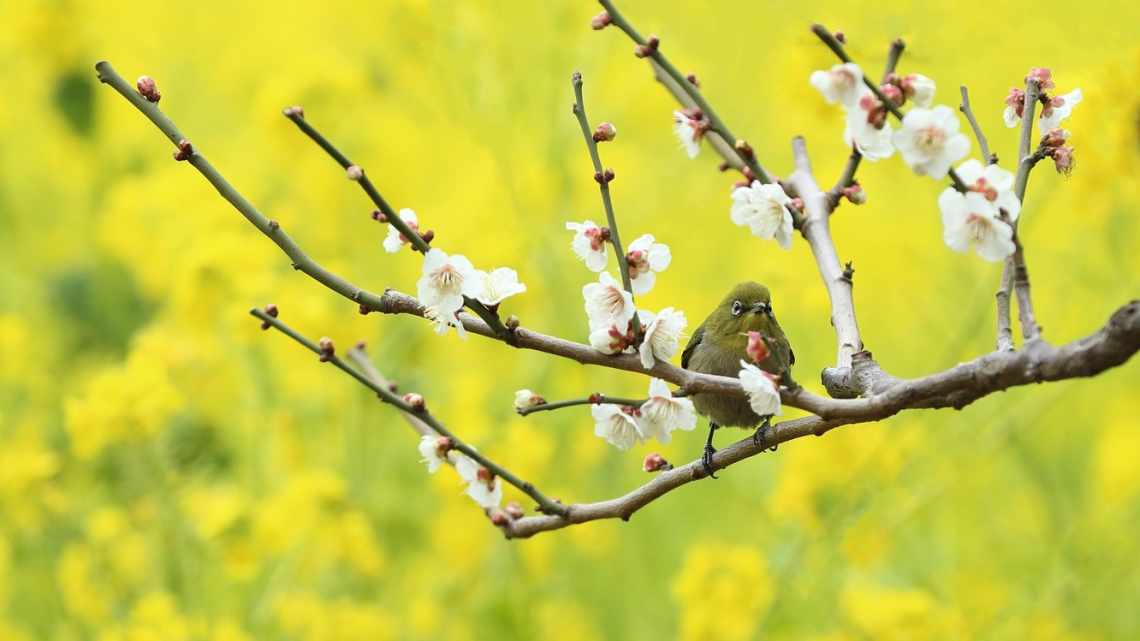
x=899 y=614
x=721 y=592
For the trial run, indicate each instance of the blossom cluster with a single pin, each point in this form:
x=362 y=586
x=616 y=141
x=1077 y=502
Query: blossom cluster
x=623 y=426
x=448 y=279
x=481 y=484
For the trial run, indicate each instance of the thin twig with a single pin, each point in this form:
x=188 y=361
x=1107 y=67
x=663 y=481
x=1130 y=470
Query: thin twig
x=604 y=186
x=836 y=47
x=593 y=399
x=715 y=123
x=393 y=218
x=1015 y=263
x=893 y=55
x=545 y=505
x=969 y=113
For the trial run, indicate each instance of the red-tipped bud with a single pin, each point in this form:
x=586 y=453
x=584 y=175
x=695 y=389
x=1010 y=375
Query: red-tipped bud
x=428 y=236
x=272 y=310
x=514 y=510
x=595 y=398
x=893 y=93
x=364 y=309
x=274 y=225
x=723 y=166
x=379 y=216
x=601 y=21
x=744 y=149
x=327 y=349
x=1063 y=160
x=148 y=89
x=648 y=49
x=757 y=349
x=499 y=519
x=655 y=463
x=416 y=401
x=294 y=112
x=185 y=150
x=855 y=194
x=354 y=172
x=841 y=37
x=692 y=78
x=1043 y=76
x=605 y=132
x=1055 y=138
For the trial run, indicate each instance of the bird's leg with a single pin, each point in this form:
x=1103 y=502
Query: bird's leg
x=707 y=457
x=761 y=433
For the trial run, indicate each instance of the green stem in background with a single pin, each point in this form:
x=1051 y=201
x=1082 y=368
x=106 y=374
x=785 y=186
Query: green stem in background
x=296 y=115
x=545 y=504
x=715 y=123
x=836 y=47
x=604 y=187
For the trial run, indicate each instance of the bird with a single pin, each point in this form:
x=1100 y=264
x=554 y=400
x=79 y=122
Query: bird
x=718 y=346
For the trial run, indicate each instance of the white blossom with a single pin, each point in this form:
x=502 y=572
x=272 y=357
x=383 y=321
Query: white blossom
x=929 y=140
x=969 y=219
x=993 y=182
x=434 y=449
x=663 y=413
x=442 y=321
x=841 y=84
x=446 y=280
x=609 y=339
x=589 y=244
x=920 y=89
x=483 y=488
x=525 y=398
x=867 y=129
x=763 y=393
x=498 y=285
x=617 y=424
x=763 y=208
x=1010 y=117
x=646 y=259
x=395 y=240
x=662 y=335
x=607 y=304
x=689 y=131
x=1059 y=108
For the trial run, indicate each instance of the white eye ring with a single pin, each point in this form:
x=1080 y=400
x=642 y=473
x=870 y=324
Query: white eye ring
x=737 y=308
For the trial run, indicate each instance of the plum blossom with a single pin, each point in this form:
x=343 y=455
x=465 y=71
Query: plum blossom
x=434 y=450
x=395 y=240
x=841 y=84
x=589 y=244
x=690 y=128
x=442 y=321
x=663 y=413
x=971 y=219
x=609 y=339
x=993 y=182
x=497 y=285
x=617 y=424
x=445 y=281
x=920 y=89
x=764 y=209
x=929 y=140
x=763 y=392
x=662 y=335
x=525 y=398
x=646 y=258
x=482 y=486
x=867 y=129
x=607 y=304
x=1014 y=107
x=1059 y=108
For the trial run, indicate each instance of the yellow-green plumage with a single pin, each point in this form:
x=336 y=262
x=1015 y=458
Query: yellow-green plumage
x=718 y=346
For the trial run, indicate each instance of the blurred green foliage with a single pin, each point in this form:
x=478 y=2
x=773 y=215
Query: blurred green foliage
x=169 y=472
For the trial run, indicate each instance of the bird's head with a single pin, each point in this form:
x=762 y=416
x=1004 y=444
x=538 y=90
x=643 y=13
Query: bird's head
x=748 y=307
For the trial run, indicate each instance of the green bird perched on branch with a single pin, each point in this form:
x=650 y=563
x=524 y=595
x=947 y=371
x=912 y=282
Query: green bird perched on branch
x=718 y=346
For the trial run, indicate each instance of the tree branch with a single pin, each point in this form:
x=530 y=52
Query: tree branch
x=603 y=178
x=1015 y=263
x=545 y=505
x=592 y=399
x=969 y=113
x=956 y=387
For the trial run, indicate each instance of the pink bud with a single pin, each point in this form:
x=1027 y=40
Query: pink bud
x=185 y=150
x=595 y=398
x=601 y=21
x=855 y=194
x=605 y=132
x=498 y=519
x=648 y=49
x=757 y=348
x=655 y=462
x=893 y=93
x=327 y=349
x=1043 y=76
x=514 y=510
x=1063 y=160
x=1055 y=138
x=743 y=148
x=148 y=89
x=354 y=172
x=443 y=445
x=416 y=401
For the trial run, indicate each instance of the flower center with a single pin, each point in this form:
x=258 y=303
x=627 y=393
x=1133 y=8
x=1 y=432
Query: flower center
x=596 y=240
x=983 y=187
x=447 y=278
x=979 y=225
x=930 y=139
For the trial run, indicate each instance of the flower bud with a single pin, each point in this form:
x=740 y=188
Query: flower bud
x=364 y=309
x=893 y=93
x=525 y=399
x=600 y=21
x=294 y=112
x=605 y=132
x=757 y=348
x=648 y=49
x=514 y=510
x=185 y=150
x=655 y=463
x=428 y=236
x=743 y=148
x=797 y=204
x=1063 y=160
x=148 y=89
x=594 y=398
x=1055 y=138
x=361 y=345
x=354 y=172
x=379 y=216
x=855 y=194
x=416 y=401
x=1043 y=76
x=512 y=322
x=274 y=225
x=841 y=37
x=327 y=349
x=692 y=78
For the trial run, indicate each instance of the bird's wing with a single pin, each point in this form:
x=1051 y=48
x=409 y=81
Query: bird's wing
x=694 y=340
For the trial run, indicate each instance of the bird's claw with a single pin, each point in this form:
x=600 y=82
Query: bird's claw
x=707 y=461
x=761 y=434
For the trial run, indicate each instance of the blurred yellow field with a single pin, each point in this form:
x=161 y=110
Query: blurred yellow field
x=171 y=472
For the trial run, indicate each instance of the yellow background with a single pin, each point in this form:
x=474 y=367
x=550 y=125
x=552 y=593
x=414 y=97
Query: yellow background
x=170 y=472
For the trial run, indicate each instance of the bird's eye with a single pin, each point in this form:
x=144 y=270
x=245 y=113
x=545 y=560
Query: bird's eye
x=737 y=308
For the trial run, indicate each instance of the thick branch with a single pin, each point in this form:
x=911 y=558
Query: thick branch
x=956 y=387
x=603 y=179
x=1004 y=330
x=546 y=505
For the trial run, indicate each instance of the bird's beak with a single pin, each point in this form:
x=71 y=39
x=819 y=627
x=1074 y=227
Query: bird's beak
x=762 y=308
